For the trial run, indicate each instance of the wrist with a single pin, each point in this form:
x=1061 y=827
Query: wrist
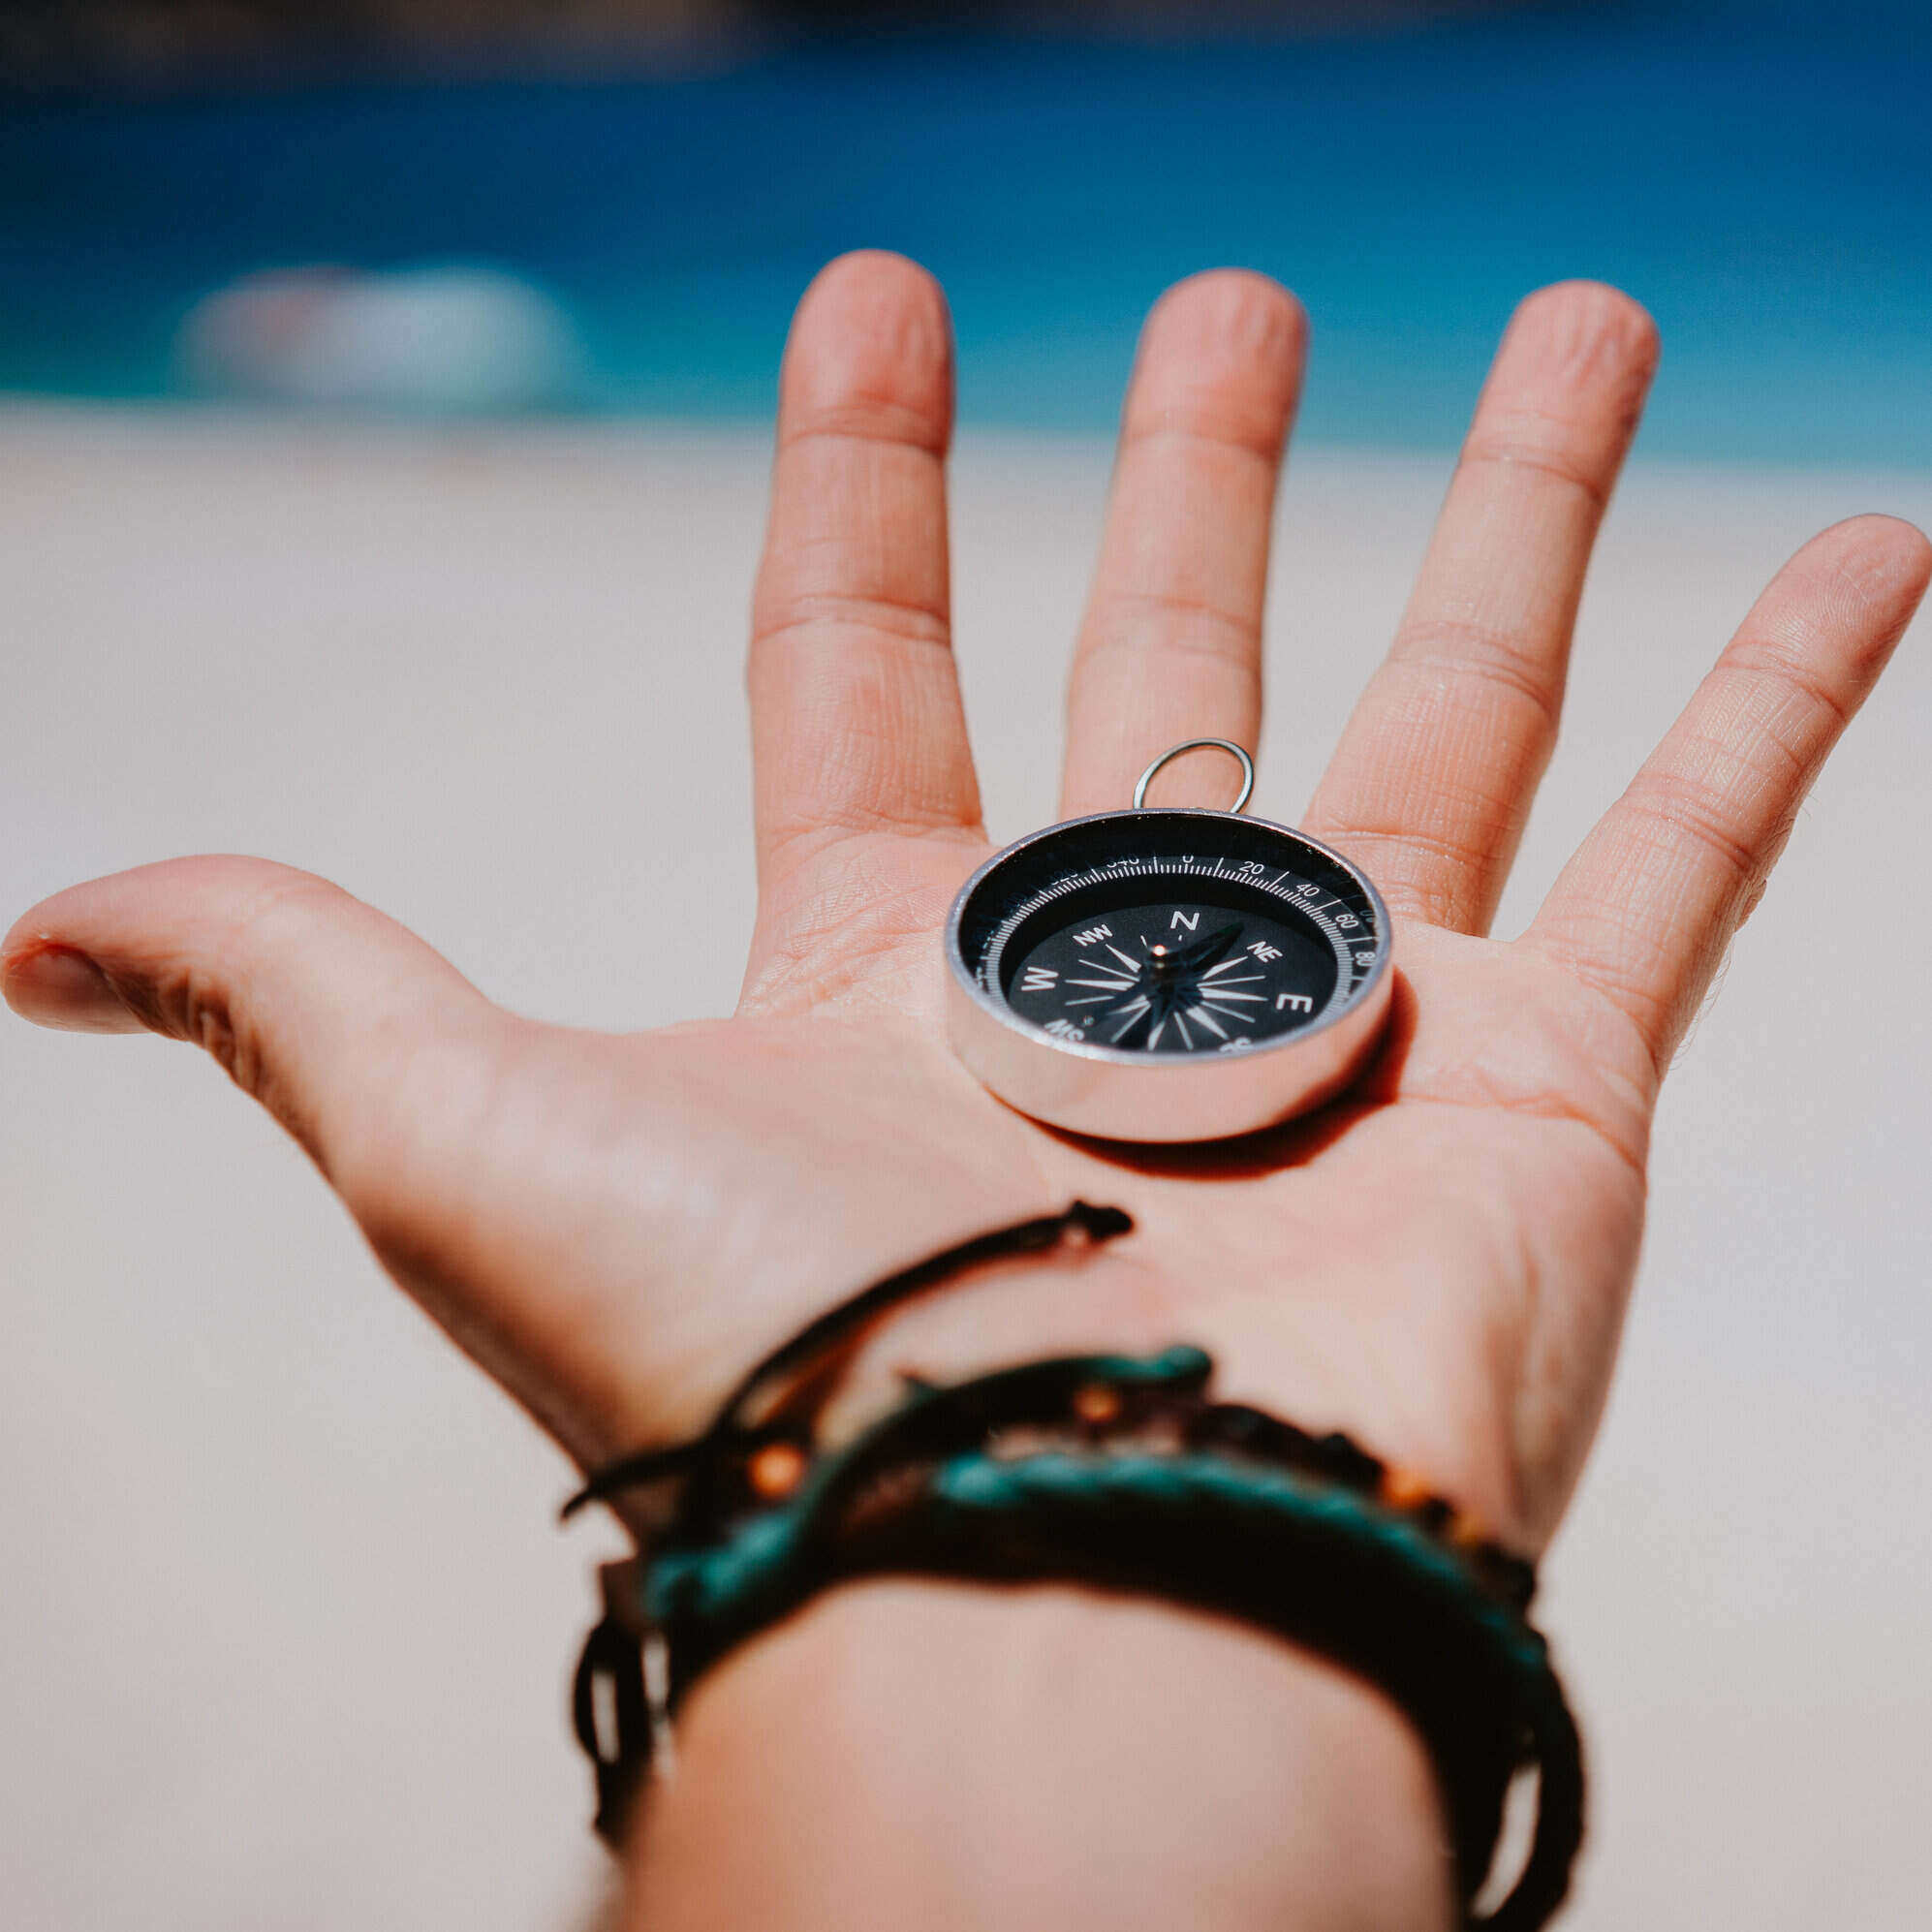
x=958 y=1757
x=1282 y=1349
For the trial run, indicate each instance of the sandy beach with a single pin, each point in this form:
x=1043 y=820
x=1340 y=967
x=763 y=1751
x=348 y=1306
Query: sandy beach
x=287 y=1624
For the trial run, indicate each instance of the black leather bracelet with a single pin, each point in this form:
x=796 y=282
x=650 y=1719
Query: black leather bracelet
x=1113 y=1472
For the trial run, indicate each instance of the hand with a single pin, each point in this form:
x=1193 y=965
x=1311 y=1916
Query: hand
x=614 y=1226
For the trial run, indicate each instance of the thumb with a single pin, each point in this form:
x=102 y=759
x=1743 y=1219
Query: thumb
x=315 y=1003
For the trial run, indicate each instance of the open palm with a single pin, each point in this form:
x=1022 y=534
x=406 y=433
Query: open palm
x=615 y=1227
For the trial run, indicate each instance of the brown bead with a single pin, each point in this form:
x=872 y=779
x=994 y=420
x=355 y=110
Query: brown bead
x=1097 y=1404
x=776 y=1470
x=1404 y=1488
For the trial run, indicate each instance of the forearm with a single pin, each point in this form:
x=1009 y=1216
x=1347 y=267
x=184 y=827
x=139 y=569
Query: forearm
x=948 y=1758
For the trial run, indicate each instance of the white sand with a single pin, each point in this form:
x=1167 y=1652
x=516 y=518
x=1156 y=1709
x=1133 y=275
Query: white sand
x=284 y=1622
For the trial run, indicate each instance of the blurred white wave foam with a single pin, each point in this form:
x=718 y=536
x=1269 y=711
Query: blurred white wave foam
x=454 y=339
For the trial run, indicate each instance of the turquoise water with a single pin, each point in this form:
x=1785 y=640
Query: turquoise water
x=1759 y=175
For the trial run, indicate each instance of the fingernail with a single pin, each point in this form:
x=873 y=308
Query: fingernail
x=54 y=986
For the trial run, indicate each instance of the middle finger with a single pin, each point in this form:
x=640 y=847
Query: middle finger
x=1170 y=647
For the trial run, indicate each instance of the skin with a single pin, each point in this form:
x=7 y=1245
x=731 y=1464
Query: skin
x=1439 y=1263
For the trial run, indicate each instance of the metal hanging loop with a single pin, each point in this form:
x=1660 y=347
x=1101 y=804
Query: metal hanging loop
x=1174 y=752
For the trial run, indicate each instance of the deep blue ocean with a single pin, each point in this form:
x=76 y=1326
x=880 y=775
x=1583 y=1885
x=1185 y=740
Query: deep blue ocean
x=1761 y=175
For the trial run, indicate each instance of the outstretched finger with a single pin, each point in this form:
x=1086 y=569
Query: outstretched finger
x=856 y=723
x=1171 y=646
x=1432 y=782
x=1654 y=895
x=316 y=1004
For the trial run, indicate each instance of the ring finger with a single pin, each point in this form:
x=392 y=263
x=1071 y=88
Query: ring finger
x=1431 y=784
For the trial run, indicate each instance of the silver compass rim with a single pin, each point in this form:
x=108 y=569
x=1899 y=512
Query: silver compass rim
x=1121 y=1094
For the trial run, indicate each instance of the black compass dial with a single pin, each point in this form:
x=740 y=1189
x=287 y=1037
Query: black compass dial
x=1172 y=933
x=1175 y=976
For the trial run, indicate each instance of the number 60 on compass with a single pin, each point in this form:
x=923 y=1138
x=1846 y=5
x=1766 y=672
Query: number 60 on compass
x=1166 y=975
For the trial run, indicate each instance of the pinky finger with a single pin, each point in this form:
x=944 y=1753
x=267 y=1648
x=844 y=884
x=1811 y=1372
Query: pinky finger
x=1647 y=908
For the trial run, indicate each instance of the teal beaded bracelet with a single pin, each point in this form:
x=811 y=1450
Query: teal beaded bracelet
x=1117 y=1472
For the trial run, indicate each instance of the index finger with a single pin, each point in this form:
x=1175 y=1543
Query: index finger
x=856 y=720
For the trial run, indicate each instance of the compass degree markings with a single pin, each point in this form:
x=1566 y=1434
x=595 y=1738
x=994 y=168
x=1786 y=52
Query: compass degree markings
x=1321 y=909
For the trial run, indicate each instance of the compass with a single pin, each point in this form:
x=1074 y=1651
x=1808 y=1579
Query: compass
x=1166 y=975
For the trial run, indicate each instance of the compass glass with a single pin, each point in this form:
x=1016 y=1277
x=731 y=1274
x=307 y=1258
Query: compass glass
x=1171 y=933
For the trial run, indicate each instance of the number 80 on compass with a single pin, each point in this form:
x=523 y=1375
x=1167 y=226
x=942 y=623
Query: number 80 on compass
x=1166 y=975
